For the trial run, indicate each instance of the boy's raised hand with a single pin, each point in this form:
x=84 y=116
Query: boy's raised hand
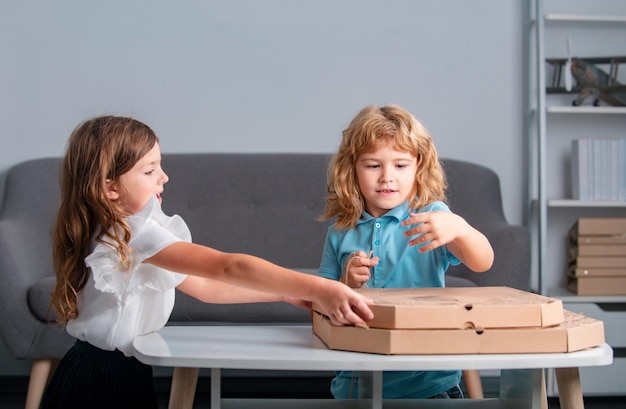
x=433 y=229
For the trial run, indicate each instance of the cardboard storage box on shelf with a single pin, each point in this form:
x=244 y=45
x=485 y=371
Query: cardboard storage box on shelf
x=460 y=307
x=600 y=262
x=597 y=254
x=599 y=250
x=577 y=332
x=598 y=281
x=598 y=226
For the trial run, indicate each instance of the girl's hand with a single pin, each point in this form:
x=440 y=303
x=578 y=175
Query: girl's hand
x=344 y=306
x=356 y=271
x=434 y=229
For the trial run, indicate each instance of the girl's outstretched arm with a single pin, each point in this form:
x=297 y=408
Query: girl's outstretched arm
x=342 y=305
x=219 y=292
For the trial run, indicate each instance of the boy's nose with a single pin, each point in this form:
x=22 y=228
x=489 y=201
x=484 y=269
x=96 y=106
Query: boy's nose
x=386 y=175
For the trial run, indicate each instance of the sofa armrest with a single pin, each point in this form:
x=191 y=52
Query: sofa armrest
x=511 y=266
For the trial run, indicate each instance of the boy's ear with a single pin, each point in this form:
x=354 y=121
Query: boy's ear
x=111 y=189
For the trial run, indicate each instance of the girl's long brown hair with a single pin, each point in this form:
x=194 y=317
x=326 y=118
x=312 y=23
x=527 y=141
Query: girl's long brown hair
x=100 y=149
x=372 y=127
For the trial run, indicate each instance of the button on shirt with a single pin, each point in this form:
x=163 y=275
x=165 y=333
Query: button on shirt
x=400 y=265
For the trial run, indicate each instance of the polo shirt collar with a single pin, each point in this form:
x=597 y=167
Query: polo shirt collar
x=399 y=213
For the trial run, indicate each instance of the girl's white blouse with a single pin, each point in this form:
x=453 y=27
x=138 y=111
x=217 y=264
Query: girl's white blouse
x=115 y=306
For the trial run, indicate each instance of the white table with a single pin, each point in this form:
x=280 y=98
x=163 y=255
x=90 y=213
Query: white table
x=188 y=348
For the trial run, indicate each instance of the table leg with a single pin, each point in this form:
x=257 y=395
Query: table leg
x=544 y=392
x=523 y=388
x=570 y=392
x=371 y=388
x=377 y=390
x=216 y=388
x=183 y=389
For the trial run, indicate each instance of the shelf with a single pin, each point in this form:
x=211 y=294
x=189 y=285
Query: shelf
x=551 y=126
x=585 y=18
x=568 y=296
x=585 y=203
x=586 y=109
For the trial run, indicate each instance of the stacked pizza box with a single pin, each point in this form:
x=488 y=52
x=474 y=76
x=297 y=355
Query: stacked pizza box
x=462 y=320
x=597 y=257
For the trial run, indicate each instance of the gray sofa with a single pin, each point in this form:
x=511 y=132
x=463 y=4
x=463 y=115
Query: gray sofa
x=262 y=204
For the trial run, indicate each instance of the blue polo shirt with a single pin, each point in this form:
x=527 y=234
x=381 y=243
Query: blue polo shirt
x=399 y=266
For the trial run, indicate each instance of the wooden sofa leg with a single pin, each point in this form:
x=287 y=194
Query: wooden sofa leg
x=39 y=374
x=473 y=383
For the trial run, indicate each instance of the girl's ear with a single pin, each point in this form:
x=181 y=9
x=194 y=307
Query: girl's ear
x=111 y=189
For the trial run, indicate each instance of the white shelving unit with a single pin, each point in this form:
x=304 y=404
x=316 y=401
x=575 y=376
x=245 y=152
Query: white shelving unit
x=586 y=110
x=552 y=124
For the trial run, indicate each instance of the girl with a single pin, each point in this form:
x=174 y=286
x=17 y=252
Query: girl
x=386 y=191
x=118 y=259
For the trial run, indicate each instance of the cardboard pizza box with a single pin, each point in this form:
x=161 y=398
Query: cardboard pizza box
x=460 y=307
x=575 y=333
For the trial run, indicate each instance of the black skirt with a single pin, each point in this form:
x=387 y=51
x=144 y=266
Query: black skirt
x=88 y=377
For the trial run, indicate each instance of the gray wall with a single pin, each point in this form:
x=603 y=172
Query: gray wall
x=266 y=76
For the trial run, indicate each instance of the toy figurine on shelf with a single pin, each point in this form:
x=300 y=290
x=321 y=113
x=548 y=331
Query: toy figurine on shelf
x=591 y=79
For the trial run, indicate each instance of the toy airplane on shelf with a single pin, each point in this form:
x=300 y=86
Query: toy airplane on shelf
x=591 y=79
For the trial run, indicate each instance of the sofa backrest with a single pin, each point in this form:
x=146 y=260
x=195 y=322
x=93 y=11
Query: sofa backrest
x=262 y=204
x=30 y=202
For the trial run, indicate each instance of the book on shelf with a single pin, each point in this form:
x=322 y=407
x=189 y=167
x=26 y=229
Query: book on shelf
x=598 y=169
x=580 y=169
